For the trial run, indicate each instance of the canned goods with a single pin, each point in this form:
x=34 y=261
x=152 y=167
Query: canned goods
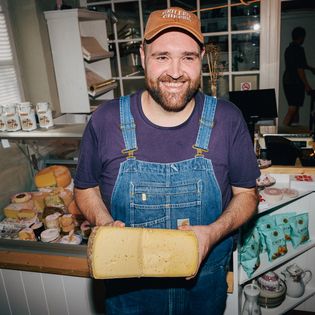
x=44 y=114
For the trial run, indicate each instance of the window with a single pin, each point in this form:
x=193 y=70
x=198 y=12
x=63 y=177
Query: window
x=232 y=26
x=9 y=87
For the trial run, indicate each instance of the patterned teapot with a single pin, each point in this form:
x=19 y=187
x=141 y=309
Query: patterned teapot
x=296 y=279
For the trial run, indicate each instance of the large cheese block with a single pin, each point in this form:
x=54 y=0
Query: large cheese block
x=115 y=252
x=52 y=176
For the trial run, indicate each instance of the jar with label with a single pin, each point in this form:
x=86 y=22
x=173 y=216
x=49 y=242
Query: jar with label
x=44 y=114
x=27 y=116
x=12 y=120
x=2 y=119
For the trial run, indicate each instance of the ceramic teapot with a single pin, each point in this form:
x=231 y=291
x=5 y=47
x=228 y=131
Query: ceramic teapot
x=269 y=281
x=296 y=279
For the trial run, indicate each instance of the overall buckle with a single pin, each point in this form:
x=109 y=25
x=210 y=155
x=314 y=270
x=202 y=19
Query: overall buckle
x=200 y=151
x=130 y=153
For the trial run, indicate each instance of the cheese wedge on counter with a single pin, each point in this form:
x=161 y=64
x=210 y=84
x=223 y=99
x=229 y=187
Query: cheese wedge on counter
x=19 y=210
x=115 y=252
x=52 y=176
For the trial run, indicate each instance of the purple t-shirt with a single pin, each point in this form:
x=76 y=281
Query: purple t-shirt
x=230 y=148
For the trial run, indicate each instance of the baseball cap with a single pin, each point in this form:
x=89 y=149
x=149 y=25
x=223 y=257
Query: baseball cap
x=173 y=17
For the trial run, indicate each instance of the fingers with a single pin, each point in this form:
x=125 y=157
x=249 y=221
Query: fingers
x=118 y=224
x=185 y=228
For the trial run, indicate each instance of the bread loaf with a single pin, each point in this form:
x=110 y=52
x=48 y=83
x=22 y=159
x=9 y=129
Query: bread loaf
x=136 y=252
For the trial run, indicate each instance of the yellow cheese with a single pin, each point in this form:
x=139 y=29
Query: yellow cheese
x=45 y=179
x=38 y=198
x=26 y=214
x=15 y=210
x=52 y=176
x=134 y=252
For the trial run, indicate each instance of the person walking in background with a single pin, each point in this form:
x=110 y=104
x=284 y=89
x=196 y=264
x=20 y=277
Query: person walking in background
x=294 y=78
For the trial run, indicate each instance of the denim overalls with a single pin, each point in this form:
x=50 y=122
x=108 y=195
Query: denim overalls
x=166 y=195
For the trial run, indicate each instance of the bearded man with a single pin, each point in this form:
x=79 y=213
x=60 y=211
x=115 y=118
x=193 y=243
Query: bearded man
x=166 y=155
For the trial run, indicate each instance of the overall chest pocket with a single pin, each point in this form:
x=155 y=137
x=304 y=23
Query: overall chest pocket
x=156 y=205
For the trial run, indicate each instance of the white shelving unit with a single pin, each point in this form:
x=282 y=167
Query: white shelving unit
x=303 y=255
x=306 y=259
x=65 y=30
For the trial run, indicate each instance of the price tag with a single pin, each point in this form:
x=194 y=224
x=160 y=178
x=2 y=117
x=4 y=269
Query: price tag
x=5 y=143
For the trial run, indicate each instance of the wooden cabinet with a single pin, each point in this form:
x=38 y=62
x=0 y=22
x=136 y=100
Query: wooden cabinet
x=303 y=255
x=66 y=27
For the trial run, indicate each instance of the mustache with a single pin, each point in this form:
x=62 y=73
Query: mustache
x=168 y=79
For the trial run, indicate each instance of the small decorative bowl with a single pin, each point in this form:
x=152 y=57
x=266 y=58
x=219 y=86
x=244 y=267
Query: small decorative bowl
x=271 y=299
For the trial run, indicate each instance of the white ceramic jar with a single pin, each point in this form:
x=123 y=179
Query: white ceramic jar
x=44 y=114
x=27 y=116
x=2 y=119
x=12 y=120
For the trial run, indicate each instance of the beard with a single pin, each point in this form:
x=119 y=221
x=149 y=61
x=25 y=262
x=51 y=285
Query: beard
x=172 y=102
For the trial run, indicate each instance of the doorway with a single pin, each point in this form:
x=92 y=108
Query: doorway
x=297 y=13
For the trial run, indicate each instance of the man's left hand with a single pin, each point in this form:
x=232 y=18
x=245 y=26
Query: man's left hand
x=205 y=241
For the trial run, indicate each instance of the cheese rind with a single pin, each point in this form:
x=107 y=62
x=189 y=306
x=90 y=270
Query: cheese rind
x=137 y=252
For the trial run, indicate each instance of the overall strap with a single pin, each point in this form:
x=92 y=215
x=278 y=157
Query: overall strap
x=127 y=126
x=205 y=125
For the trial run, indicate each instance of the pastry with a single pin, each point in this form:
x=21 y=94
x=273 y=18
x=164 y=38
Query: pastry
x=66 y=223
x=27 y=234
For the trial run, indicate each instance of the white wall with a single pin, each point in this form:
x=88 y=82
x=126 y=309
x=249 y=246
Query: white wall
x=288 y=23
x=33 y=52
x=42 y=293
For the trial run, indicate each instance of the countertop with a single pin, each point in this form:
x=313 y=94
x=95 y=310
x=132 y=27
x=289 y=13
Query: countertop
x=72 y=131
x=72 y=259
